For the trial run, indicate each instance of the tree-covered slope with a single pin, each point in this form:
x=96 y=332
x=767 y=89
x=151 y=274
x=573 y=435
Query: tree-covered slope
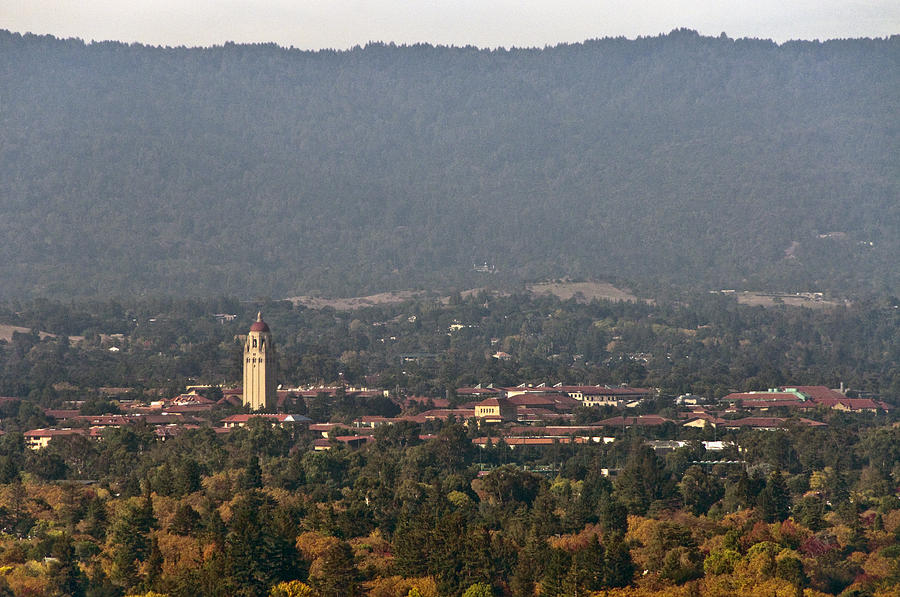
x=257 y=169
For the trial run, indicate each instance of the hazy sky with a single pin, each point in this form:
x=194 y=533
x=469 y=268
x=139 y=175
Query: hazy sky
x=486 y=23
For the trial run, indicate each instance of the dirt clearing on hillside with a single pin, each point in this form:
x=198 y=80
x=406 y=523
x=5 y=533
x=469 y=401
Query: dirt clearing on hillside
x=586 y=291
x=6 y=332
x=583 y=291
x=803 y=299
x=358 y=302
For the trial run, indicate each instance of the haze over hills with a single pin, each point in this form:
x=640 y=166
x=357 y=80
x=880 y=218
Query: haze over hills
x=680 y=159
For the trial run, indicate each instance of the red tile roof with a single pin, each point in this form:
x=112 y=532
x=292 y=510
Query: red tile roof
x=232 y=399
x=850 y=403
x=436 y=402
x=105 y=420
x=189 y=408
x=816 y=392
x=445 y=413
x=768 y=422
x=54 y=432
x=763 y=396
x=793 y=397
x=513 y=441
x=604 y=391
x=477 y=391
x=281 y=418
x=489 y=402
x=61 y=414
x=640 y=421
x=558 y=430
x=764 y=404
x=532 y=399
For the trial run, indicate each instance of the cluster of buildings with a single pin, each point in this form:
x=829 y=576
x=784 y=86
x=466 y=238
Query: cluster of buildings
x=523 y=415
x=804 y=398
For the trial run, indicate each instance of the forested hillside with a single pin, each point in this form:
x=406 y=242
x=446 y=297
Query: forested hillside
x=681 y=159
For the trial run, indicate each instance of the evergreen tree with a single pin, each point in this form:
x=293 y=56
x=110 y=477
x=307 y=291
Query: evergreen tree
x=187 y=477
x=9 y=471
x=411 y=548
x=259 y=549
x=154 y=566
x=252 y=477
x=66 y=579
x=774 y=501
x=338 y=576
x=642 y=480
x=129 y=542
x=479 y=561
x=619 y=569
x=613 y=516
x=529 y=566
x=185 y=521
x=447 y=552
x=591 y=563
x=553 y=580
x=570 y=582
x=544 y=520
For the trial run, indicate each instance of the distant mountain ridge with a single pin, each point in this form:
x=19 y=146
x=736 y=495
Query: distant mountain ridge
x=249 y=169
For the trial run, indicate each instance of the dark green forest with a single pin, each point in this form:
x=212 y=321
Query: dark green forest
x=253 y=169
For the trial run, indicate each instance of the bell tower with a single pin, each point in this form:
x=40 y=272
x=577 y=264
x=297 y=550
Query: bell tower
x=259 y=367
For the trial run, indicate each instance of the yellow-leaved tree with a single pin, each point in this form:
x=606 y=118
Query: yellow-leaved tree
x=292 y=588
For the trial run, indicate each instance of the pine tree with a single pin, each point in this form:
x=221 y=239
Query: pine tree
x=66 y=579
x=252 y=477
x=571 y=584
x=529 y=566
x=185 y=520
x=774 y=501
x=619 y=569
x=552 y=582
x=95 y=518
x=154 y=565
x=478 y=563
x=338 y=575
x=411 y=552
x=613 y=516
x=130 y=543
x=591 y=562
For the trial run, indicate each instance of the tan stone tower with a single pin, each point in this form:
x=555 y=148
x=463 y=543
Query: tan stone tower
x=259 y=367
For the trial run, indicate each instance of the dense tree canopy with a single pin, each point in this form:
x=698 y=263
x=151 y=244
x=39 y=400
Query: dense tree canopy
x=253 y=169
x=422 y=510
